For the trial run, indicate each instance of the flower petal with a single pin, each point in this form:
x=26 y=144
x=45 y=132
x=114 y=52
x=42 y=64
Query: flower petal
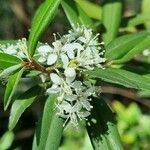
x=52 y=58
x=44 y=49
x=54 y=89
x=70 y=72
x=55 y=78
x=65 y=60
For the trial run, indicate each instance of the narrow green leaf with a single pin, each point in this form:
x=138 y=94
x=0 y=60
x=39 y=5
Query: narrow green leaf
x=49 y=129
x=122 y=45
x=75 y=14
x=121 y=77
x=11 y=87
x=21 y=104
x=41 y=20
x=6 y=72
x=111 y=18
x=91 y=9
x=6 y=140
x=101 y=127
x=144 y=44
x=71 y=12
x=146 y=11
x=7 y=60
x=84 y=19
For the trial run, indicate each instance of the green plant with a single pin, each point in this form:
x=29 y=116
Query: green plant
x=133 y=126
x=70 y=70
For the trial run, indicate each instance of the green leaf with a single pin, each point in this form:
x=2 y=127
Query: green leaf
x=21 y=104
x=7 y=60
x=50 y=127
x=6 y=140
x=71 y=12
x=111 y=18
x=91 y=9
x=101 y=127
x=6 y=72
x=122 y=45
x=146 y=11
x=144 y=44
x=11 y=87
x=84 y=19
x=121 y=77
x=41 y=20
x=144 y=93
x=75 y=14
x=139 y=19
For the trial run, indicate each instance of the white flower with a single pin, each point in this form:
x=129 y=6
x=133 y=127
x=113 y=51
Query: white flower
x=54 y=89
x=70 y=74
x=22 y=48
x=43 y=51
x=52 y=58
x=11 y=49
x=73 y=53
x=65 y=60
x=55 y=78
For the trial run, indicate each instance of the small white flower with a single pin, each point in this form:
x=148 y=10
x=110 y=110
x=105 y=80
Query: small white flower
x=65 y=60
x=22 y=48
x=55 y=79
x=43 y=52
x=54 y=89
x=11 y=49
x=52 y=58
x=70 y=74
x=44 y=49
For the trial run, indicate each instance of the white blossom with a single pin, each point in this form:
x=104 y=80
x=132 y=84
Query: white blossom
x=55 y=78
x=43 y=51
x=52 y=58
x=77 y=51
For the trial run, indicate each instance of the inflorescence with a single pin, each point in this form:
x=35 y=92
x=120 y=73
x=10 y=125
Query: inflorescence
x=73 y=53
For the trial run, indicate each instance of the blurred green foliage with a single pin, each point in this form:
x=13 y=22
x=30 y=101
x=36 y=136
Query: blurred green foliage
x=133 y=126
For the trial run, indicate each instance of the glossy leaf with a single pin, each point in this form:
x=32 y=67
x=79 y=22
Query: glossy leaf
x=121 y=77
x=122 y=45
x=49 y=129
x=21 y=104
x=101 y=127
x=92 y=10
x=71 y=12
x=6 y=140
x=111 y=18
x=84 y=19
x=75 y=14
x=8 y=71
x=144 y=44
x=7 y=60
x=41 y=20
x=11 y=87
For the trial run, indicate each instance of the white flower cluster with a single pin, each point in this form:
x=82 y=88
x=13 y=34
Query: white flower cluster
x=19 y=49
x=78 y=48
x=73 y=97
x=73 y=53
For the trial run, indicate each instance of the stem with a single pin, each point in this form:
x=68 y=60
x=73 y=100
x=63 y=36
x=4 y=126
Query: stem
x=36 y=66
